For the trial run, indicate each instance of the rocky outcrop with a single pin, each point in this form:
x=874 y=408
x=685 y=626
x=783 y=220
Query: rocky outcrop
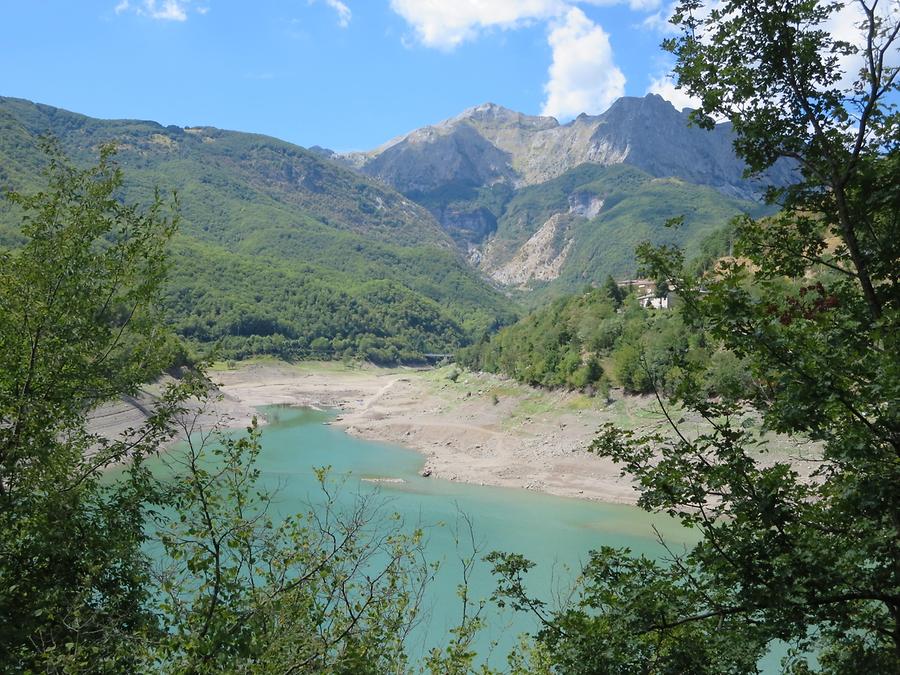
x=467 y=225
x=444 y=157
x=488 y=143
x=541 y=258
x=585 y=204
x=655 y=137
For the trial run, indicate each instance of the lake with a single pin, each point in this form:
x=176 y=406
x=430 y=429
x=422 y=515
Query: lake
x=555 y=532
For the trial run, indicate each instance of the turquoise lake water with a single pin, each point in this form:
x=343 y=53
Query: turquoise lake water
x=556 y=533
x=553 y=532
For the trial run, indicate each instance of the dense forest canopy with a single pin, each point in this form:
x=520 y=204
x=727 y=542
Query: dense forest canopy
x=604 y=338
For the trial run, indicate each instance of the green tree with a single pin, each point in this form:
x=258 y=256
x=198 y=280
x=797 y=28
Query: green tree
x=78 y=326
x=613 y=291
x=335 y=590
x=811 y=308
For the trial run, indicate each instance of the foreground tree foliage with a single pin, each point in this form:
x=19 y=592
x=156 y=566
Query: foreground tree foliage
x=108 y=567
x=247 y=590
x=811 y=305
x=77 y=327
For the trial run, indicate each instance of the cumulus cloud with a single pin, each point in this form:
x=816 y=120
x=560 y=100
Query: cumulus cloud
x=583 y=74
x=445 y=25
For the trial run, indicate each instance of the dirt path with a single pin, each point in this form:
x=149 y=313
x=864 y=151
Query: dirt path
x=372 y=400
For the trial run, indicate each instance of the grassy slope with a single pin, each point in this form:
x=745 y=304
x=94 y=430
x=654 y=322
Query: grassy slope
x=277 y=245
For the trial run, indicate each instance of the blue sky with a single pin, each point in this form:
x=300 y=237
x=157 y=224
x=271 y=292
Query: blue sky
x=345 y=74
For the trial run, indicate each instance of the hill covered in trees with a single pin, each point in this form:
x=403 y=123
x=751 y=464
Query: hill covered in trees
x=602 y=338
x=279 y=249
x=292 y=252
x=587 y=223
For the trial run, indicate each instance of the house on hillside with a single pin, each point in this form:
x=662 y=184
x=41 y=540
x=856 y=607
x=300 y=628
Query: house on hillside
x=650 y=301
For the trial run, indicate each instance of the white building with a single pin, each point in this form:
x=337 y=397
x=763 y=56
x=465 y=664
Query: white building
x=650 y=301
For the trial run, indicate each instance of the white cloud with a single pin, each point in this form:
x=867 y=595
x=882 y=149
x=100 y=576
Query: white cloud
x=165 y=10
x=344 y=15
x=444 y=24
x=636 y=5
x=664 y=85
x=583 y=75
x=844 y=25
x=643 y=5
x=343 y=12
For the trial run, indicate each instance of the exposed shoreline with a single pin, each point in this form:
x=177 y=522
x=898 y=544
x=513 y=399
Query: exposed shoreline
x=480 y=429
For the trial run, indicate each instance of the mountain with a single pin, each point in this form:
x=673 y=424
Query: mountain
x=489 y=143
x=400 y=251
x=532 y=201
x=280 y=249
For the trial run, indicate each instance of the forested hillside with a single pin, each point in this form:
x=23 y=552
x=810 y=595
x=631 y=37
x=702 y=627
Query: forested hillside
x=603 y=338
x=279 y=249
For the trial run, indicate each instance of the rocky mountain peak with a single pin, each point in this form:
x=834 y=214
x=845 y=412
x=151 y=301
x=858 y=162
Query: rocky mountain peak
x=493 y=115
x=460 y=169
x=650 y=102
x=648 y=113
x=647 y=132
